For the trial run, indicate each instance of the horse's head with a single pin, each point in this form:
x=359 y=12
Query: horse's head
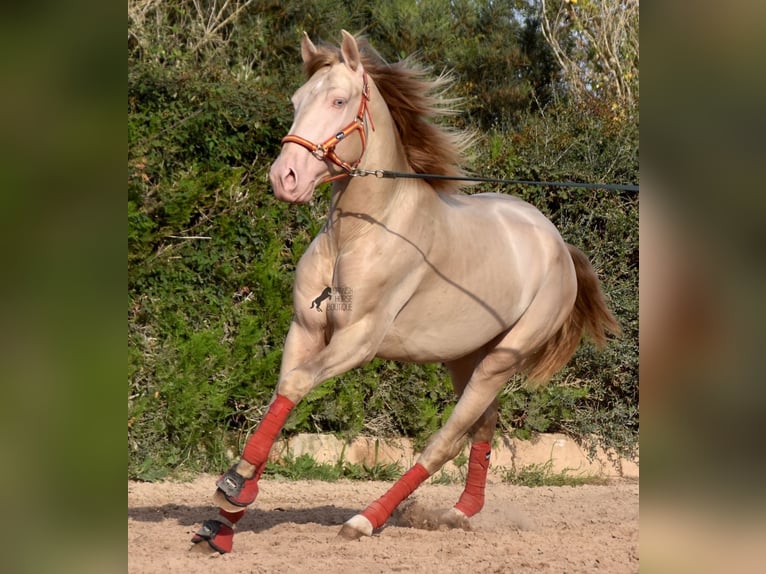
x=329 y=132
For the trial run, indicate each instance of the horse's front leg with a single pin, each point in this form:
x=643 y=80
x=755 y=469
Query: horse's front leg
x=238 y=487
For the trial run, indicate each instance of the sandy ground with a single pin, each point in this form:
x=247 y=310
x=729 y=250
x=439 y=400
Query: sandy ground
x=293 y=528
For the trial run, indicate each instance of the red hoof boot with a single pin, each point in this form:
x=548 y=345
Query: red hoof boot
x=219 y=536
x=236 y=489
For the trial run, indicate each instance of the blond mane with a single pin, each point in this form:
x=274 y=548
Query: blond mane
x=414 y=101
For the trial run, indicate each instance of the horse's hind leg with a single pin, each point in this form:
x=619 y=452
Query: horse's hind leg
x=478 y=396
x=472 y=498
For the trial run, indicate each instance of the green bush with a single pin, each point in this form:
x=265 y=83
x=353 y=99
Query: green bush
x=304 y=467
x=543 y=475
x=211 y=253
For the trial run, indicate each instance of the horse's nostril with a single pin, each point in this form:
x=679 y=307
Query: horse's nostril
x=289 y=179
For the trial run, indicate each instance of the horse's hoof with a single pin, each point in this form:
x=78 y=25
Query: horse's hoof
x=204 y=549
x=355 y=527
x=235 y=492
x=220 y=500
x=219 y=537
x=454 y=518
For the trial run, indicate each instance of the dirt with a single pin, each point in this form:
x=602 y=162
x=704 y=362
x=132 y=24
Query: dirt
x=293 y=528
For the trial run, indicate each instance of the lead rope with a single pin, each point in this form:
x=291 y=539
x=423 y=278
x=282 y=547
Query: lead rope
x=384 y=173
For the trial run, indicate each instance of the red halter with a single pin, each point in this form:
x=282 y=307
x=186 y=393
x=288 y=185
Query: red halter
x=326 y=150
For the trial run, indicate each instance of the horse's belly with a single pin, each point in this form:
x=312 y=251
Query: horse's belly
x=429 y=334
x=455 y=312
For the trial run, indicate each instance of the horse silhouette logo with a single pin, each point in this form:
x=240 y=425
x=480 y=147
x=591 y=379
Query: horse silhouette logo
x=316 y=303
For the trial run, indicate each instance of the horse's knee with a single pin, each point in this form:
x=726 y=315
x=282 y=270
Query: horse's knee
x=295 y=385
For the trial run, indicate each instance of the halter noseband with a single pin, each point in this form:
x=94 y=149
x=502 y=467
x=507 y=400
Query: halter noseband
x=326 y=149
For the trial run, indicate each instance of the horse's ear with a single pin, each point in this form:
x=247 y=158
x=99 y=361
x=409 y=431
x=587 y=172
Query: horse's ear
x=308 y=49
x=350 y=51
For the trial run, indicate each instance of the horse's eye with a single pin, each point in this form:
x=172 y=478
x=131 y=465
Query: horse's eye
x=339 y=102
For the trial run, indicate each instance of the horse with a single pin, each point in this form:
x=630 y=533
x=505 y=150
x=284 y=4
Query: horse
x=483 y=283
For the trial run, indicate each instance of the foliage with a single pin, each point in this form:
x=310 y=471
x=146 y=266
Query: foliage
x=596 y=44
x=304 y=467
x=211 y=253
x=543 y=475
x=443 y=477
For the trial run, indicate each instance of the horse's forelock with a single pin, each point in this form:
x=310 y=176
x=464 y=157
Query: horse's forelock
x=324 y=56
x=329 y=55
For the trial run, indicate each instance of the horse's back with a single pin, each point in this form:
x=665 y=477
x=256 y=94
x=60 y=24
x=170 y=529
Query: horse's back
x=491 y=210
x=494 y=231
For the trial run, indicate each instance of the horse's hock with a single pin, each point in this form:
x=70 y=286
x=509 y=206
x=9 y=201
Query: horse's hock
x=557 y=450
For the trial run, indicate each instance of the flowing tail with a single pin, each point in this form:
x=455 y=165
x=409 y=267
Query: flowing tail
x=590 y=316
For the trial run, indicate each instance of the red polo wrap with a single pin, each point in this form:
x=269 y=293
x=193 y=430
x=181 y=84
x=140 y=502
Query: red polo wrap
x=232 y=517
x=380 y=510
x=472 y=499
x=259 y=445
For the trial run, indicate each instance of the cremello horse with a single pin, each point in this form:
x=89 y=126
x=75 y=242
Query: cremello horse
x=410 y=270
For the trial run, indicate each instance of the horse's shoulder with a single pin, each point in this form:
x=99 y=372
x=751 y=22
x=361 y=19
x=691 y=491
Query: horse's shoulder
x=315 y=265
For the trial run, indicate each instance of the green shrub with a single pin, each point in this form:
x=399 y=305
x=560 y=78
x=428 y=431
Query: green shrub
x=543 y=475
x=304 y=467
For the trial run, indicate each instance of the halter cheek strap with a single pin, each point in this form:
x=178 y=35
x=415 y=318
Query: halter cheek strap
x=325 y=151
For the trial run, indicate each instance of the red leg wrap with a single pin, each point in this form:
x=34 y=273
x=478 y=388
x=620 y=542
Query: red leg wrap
x=232 y=517
x=380 y=510
x=241 y=491
x=224 y=538
x=259 y=444
x=219 y=534
x=472 y=499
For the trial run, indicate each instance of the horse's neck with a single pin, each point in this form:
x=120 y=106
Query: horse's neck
x=360 y=203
